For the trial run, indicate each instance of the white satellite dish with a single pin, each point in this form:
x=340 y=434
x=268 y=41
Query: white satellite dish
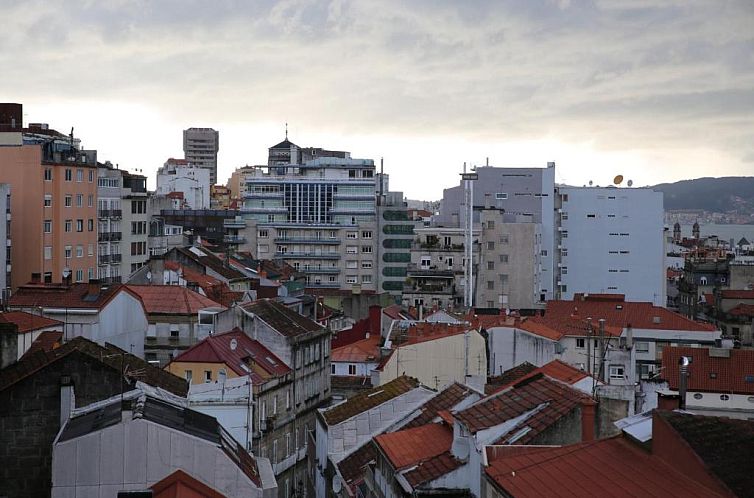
x=66 y=272
x=233 y=344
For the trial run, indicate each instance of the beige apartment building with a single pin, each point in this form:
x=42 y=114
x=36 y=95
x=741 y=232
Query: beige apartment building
x=54 y=229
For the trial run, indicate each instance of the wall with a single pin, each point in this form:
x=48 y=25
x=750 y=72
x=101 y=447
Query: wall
x=510 y=347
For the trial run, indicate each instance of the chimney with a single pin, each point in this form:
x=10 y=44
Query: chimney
x=683 y=371
x=8 y=343
x=487 y=203
x=67 y=398
x=629 y=337
x=587 y=420
x=93 y=288
x=36 y=278
x=375 y=316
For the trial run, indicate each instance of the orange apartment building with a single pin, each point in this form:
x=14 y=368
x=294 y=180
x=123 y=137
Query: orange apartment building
x=54 y=206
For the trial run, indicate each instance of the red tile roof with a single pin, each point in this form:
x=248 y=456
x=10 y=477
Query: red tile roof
x=45 y=341
x=393 y=311
x=429 y=470
x=423 y=332
x=624 y=470
x=446 y=400
x=733 y=374
x=539 y=326
x=64 y=296
x=365 y=350
x=171 y=299
x=555 y=399
x=737 y=294
x=555 y=369
x=742 y=310
x=283 y=319
x=366 y=400
x=27 y=322
x=181 y=482
x=409 y=447
x=352 y=467
x=495 y=383
x=233 y=349
x=620 y=313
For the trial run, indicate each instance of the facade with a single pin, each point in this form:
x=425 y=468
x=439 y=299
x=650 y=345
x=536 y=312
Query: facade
x=58 y=233
x=317 y=210
x=527 y=192
x=200 y=147
x=219 y=197
x=123 y=226
x=22 y=332
x=237 y=181
x=395 y=236
x=181 y=176
x=610 y=240
x=221 y=228
x=5 y=241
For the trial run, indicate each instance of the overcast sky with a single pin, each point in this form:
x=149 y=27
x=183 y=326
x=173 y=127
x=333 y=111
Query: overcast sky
x=654 y=90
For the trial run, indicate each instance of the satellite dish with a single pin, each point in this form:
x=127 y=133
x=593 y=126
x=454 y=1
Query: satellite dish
x=618 y=180
x=630 y=183
x=590 y=183
x=66 y=272
x=233 y=344
x=149 y=276
x=337 y=484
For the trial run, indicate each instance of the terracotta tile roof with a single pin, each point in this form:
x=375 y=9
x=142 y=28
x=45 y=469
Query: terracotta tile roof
x=620 y=313
x=555 y=399
x=45 y=341
x=733 y=374
x=209 y=260
x=281 y=318
x=171 y=299
x=62 y=296
x=423 y=332
x=446 y=400
x=350 y=382
x=352 y=467
x=367 y=400
x=556 y=369
x=180 y=480
x=725 y=446
x=742 y=310
x=429 y=470
x=409 y=447
x=625 y=470
x=490 y=321
x=27 y=322
x=737 y=294
x=109 y=355
x=508 y=377
x=365 y=350
x=545 y=328
x=219 y=348
x=393 y=311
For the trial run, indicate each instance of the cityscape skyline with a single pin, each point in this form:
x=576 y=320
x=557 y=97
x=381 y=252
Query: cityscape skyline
x=657 y=92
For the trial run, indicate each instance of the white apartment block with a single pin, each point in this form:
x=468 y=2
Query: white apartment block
x=179 y=175
x=317 y=213
x=610 y=240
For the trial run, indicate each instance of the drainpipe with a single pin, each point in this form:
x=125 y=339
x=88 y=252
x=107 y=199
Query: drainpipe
x=683 y=364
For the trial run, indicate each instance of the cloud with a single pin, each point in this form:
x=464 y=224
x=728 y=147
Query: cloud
x=621 y=75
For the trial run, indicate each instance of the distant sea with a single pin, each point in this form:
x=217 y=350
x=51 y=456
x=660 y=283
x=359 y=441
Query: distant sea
x=724 y=232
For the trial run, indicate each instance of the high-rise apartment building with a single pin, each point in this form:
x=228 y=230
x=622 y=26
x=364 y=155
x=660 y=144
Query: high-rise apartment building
x=315 y=209
x=522 y=192
x=395 y=236
x=610 y=240
x=123 y=223
x=5 y=241
x=54 y=228
x=200 y=147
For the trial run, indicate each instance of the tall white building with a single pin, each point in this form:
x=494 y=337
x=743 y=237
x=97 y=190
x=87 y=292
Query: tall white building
x=200 y=147
x=179 y=175
x=610 y=240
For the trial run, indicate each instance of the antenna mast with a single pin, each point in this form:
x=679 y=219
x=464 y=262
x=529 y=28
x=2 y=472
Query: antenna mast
x=468 y=270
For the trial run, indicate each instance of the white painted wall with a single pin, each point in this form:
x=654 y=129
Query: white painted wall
x=510 y=347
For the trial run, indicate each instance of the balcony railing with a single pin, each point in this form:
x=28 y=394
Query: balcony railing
x=292 y=255
x=234 y=223
x=109 y=236
x=306 y=240
x=320 y=271
x=234 y=239
x=110 y=213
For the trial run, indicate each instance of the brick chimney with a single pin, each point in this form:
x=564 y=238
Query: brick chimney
x=587 y=420
x=93 y=288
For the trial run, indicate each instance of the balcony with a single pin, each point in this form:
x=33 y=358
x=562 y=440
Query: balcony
x=311 y=255
x=104 y=259
x=234 y=223
x=109 y=236
x=234 y=239
x=320 y=271
x=307 y=240
x=110 y=213
x=115 y=258
x=323 y=285
x=428 y=288
x=430 y=272
x=437 y=247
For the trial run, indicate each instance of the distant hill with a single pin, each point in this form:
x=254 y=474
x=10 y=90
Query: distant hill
x=722 y=195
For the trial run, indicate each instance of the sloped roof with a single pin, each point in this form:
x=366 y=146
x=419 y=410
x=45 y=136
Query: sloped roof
x=420 y=332
x=64 y=296
x=511 y=375
x=732 y=374
x=352 y=467
x=445 y=400
x=46 y=341
x=431 y=469
x=725 y=446
x=285 y=144
x=180 y=479
x=620 y=313
x=409 y=447
x=283 y=319
x=358 y=352
x=624 y=470
x=556 y=369
x=742 y=310
x=109 y=355
x=219 y=348
x=369 y=399
x=210 y=260
x=28 y=322
x=554 y=399
x=737 y=294
x=171 y=299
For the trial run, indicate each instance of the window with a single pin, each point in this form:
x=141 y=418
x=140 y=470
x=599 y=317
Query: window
x=490 y=246
x=274 y=405
x=352 y=250
x=503 y=258
x=351 y=369
x=47 y=226
x=90 y=225
x=208 y=376
x=352 y=235
x=563 y=234
x=490 y=265
x=79 y=175
x=352 y=264
x=48 y=252
x=490 y=284
x=351 y=279
x=565 y=197
x=366 y=279
x=90 y=201
x=642 y=347
x=138 y=207
x=564 y=270
x=79 y=275
x=366 y=234
x=188 y=374
x=501 y=196
x=79 y=251
x=503 y=278
x=90 y=250
x=68 y=175
x=366 y=249
x=724 y=397
x=79 y=200
x=68 y=252
x=68 y=201
x=48 y=174
x=543 y=252
x=449 y=262
x=288 y=399
x=564 y=252
x=48 y=200
x=263 y=234
x=90 y=273
x=68 y=225
x=91 y=175
x=366 y=264
x=564 y=216
x=616 y=372
x=580 y=343
x=504 y=239
x=79 y=225
x=138 y=248
x=426 y=262
x=490 y=224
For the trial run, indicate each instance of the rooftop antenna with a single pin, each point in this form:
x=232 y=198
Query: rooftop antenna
x=286 y=130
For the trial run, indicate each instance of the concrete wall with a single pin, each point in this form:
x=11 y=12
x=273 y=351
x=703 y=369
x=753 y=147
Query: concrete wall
x=510 y=347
